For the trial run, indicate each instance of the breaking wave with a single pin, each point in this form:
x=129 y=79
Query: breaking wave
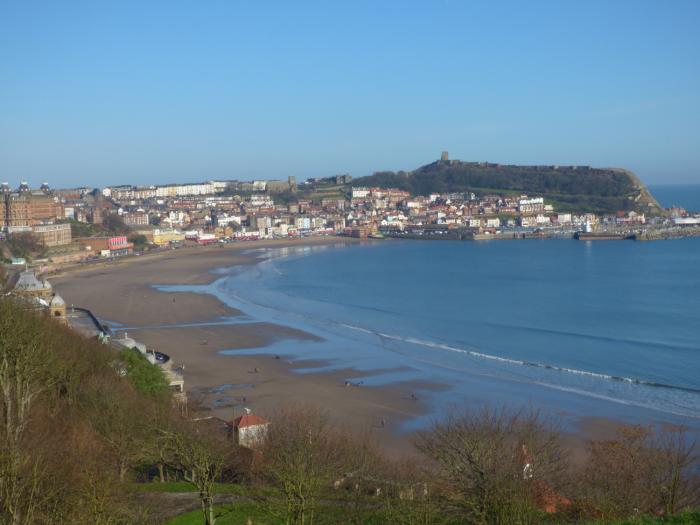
x=518 y=362
x=596 y=337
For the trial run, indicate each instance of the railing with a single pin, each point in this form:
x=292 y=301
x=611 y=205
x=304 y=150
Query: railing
x=100 y=327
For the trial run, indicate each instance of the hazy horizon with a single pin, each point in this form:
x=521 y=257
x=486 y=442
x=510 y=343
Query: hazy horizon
x=35 y=183
x=134 y=93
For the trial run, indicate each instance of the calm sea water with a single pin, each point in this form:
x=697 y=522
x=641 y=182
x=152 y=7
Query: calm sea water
x=685 y=195
x=583 y=328
x=580 y=328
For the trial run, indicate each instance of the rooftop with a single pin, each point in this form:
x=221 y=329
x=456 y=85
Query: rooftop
x=248 y=420
x=28 y=282
x=57 y=301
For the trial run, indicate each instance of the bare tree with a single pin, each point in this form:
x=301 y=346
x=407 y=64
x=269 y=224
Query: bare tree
x=409 y=493
x=642 y=471
x=161 y=422
x=498 y=464
x=24 y=360
x=201 y=456
x=118 y=414
x=359 y=488
x=59 y=398
x=3 y=276
x=302 y=455
x=26 y=244
x=680 y=481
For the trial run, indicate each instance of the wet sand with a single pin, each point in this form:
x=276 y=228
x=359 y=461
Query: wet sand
x=122 y=294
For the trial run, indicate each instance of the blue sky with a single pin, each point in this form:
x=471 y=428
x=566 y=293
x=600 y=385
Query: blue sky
x=98 y=93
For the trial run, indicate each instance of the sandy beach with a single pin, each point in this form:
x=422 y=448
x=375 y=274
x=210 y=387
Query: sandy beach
x=122 y=294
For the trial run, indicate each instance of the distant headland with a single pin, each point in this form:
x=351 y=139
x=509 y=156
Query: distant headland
x=569 y=188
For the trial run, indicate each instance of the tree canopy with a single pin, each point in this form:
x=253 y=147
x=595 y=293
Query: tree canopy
x=583 y=188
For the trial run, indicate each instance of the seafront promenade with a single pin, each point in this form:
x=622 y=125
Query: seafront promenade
x=603 y=233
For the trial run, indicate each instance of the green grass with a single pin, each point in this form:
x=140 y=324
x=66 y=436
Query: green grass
x=239 y=513
x=685 y=518
x=236 y=514
x=183 y=486
x=493 y=191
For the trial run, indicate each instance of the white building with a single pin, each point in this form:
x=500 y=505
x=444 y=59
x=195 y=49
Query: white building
x=228 y=219
x=261 y=200
x=261 y=222
x=528 y=221
x=249 y=430
x=180 y=190
x=176 y=217
x=531 y=205
x=303 y=223
x=360 y=193
x=564 y=218
x=686 y=221
x=219 y=186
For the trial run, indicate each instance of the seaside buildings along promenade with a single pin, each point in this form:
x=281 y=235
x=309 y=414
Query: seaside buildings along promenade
x=86 y=223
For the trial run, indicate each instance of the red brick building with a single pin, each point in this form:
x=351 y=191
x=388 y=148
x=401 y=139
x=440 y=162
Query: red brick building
x=27 y=208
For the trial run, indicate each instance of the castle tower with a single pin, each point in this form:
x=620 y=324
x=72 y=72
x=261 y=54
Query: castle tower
x=444 y=157
x=57 y=308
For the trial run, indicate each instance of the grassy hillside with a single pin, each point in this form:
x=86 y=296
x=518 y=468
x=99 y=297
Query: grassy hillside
x=569 y=187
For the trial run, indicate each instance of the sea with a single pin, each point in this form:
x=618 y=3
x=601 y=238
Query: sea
x=574 y=328
x=685 y=195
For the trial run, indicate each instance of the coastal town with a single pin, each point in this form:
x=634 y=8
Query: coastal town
x=46 y=230
x=79 y=224
x=315 y=263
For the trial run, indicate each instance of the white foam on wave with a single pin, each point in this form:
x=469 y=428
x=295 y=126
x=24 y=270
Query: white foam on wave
x=518 y=362
x=357 y=328
x=619 y=401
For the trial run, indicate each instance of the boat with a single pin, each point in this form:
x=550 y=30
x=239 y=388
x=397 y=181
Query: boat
x=600 y=236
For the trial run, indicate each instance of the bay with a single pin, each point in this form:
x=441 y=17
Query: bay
x=581 y=328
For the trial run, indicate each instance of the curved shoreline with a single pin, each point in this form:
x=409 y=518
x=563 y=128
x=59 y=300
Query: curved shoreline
x=193 y=328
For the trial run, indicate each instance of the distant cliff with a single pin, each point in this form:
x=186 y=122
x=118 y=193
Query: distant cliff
x=576 y=188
